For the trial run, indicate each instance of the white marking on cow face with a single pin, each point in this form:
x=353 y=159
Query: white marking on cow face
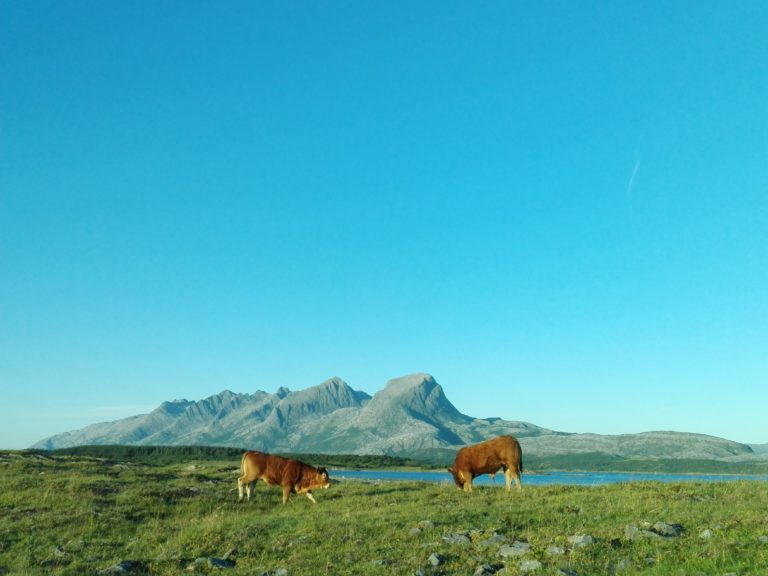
x=323 y=478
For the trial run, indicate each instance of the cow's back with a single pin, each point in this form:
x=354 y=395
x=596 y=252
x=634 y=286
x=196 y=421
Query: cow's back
x=268 y=467
x=507 y=450
x=253 y=465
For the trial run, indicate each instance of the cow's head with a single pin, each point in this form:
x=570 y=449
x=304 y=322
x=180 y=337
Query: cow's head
x=322 y=480
x=458 y=477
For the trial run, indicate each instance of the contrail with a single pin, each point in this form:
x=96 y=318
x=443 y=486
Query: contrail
x=632 y=177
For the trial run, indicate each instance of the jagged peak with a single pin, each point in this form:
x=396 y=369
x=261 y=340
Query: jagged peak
x=332 y=392
x=338 y=386
x=410 y=381
x=417 y=386
x=223 y=397
x=418 y=393
x=335 y=381
x=282 y=392
x=173 y=408
x=332 y=386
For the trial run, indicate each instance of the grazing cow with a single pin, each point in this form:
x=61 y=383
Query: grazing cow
x=293 y=476
x=502 y=452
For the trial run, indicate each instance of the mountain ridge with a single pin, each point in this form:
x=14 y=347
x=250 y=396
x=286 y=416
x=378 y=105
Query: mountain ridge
x=411 y=414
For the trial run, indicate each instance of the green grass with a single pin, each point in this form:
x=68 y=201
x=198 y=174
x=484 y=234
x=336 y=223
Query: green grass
x=75 y=515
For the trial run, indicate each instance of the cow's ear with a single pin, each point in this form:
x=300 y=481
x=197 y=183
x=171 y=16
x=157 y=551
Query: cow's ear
x=450 y=470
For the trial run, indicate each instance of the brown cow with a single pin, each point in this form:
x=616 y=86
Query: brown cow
x=502 y=452
x=295 y=477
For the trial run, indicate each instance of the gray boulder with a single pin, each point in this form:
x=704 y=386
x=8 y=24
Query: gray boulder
x=668 y=530
x=436 y=559
x=456 y=538
x=580 y=540
x=517 y=548
x=495 y=539
x=527 y=566
x=658 y=531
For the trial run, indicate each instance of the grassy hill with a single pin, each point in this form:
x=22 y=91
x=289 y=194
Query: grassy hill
x=76 y=515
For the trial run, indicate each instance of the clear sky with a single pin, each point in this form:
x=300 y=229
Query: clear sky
x=557 y=209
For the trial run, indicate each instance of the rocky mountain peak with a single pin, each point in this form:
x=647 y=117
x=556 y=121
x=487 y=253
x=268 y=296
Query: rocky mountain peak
x=342 y=393
x=172 y=408
x=410 y=414
x=334 y=382
x=419 y=394
x=406 y=384
x=315 y=402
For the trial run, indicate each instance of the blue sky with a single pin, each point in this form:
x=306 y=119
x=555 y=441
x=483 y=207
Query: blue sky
x=558 y=209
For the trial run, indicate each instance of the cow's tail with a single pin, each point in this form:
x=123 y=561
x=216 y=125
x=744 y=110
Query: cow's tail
x=242 y=463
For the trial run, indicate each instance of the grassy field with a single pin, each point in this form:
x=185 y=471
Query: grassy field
x=77 y=515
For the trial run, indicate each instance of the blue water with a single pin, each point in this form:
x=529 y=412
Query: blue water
x=566 y=478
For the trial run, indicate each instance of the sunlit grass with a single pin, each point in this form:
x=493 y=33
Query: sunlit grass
x=80 y=516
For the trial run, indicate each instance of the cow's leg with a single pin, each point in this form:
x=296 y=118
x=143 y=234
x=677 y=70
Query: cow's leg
x=513 y=473
x=312 y=498
x=516 y=476
x=286 y=493
x=243 y=487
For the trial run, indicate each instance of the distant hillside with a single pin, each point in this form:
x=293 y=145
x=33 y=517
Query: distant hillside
x=656 y=444
x=410 y=417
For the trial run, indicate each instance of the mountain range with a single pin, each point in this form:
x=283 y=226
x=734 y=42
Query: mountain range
x=409 y=416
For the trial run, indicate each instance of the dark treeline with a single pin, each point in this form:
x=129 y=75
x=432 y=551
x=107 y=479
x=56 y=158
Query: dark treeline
x=152 y=454
x=370 y=461
x=163 y=455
